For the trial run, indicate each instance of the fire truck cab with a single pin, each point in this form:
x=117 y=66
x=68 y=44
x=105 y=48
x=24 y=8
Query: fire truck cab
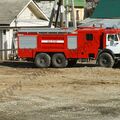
x=63 y=47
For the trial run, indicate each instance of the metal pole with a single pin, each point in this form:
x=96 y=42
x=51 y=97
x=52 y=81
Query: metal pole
x=58 y=11
x=66 y=14
x=53 y=13
x=61 y=14
x=73 y=15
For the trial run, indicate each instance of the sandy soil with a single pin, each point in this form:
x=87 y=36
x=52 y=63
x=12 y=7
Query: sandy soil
x=84 y=92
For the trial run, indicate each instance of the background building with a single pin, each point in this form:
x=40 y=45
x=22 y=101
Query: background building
x=79 y=10
x=15 y=14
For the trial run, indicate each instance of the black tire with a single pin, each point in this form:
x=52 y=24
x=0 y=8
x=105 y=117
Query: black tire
x=106 y=60
x=59 y=60
x=42 y=60
x=72 y=63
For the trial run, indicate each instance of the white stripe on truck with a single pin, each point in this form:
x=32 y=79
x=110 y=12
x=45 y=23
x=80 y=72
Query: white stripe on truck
x=52 y=41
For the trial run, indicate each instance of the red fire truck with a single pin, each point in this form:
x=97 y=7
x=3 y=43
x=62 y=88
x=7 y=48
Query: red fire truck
x=62 y=47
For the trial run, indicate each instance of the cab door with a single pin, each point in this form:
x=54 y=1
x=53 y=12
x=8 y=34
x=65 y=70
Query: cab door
x=113 y=43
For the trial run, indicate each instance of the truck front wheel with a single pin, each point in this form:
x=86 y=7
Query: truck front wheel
x=59 y=60
x=106 y=60
x=42 y=60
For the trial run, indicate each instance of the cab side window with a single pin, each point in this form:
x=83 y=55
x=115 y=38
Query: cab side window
x=112 y=38
x=89 y=37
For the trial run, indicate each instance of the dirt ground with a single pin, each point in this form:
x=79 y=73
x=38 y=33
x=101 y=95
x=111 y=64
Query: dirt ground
x=84 y=92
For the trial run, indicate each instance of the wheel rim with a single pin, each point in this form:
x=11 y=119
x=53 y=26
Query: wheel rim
x=59 y=60
x=42 y=61
x=105 y=61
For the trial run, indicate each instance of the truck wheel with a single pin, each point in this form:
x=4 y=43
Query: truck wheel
x=59 y=60
x=106 y=60
x=42 y=60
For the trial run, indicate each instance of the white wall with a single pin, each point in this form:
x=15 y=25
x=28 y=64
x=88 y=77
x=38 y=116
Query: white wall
x=27 y=18
x=7 y=37
x=80 y=12
x=0 y=44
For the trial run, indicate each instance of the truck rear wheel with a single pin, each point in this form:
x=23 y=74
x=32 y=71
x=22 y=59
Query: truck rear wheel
x=59 y=60
x=106 y=60
x=42 y=60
